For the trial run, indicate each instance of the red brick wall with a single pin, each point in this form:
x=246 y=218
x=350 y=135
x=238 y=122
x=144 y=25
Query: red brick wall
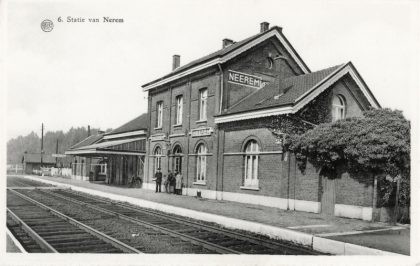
x=255 y=62
x=270 y=166
x=354 y=190
x=179 y=135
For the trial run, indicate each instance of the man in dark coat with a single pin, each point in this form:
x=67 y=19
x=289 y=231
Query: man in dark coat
x=168 y=182
x=158 y=177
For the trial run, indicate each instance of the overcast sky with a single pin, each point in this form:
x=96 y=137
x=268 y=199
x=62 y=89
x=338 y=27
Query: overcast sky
x=83 y=74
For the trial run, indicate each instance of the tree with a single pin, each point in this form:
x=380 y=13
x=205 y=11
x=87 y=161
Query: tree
x=32 y=143
x=377 y=143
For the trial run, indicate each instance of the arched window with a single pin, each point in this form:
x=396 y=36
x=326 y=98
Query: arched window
x=158 y=159
x=201 y=163
x=338 y=108
x=177 y=159
x=251 y=164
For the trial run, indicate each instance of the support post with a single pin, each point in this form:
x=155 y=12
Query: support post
x=396 y=201
x=375 y=196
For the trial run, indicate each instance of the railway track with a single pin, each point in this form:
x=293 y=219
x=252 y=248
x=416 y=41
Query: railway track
x=21 y=182
x=209 y=237
x=40 y=228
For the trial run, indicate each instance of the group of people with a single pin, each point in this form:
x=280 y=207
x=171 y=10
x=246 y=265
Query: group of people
x=173 y=182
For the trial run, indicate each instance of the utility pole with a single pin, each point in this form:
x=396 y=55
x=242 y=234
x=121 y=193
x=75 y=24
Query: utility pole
x=56 y=152
x=42 y=142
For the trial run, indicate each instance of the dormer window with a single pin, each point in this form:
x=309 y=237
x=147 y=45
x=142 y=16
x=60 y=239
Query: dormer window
x=338 y=108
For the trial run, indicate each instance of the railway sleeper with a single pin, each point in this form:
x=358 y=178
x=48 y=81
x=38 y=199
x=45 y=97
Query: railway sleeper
x=60 y=233
x=86 y=249
x=69 y=240
x=54 y=237
x=231 y=243
x=49 y=228
x=89 y=242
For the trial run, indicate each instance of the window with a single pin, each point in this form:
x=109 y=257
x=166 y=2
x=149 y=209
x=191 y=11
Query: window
x=158 y=159
x=102 y=170
x=203 y=104
x=177 y=160
x=178 y=110
x=338 y=108
x=159 y=114
x=201 y=163
x=251 y=164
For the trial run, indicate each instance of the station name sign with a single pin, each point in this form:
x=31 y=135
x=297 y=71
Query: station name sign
x=202 y=131
x=245 y=79
x=157 y=137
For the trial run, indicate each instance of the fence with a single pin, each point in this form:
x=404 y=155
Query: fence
x=15 y=169
x=63 y=172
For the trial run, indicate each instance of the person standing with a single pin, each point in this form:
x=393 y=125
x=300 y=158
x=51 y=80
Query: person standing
x=168 y=182
x=158 y=178
x=178 y=185
x=172 y=184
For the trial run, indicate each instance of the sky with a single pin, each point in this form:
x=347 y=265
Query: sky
x=85 y=73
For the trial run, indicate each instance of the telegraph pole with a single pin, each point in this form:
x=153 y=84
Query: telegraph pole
x=56 y=152
x=42 y=142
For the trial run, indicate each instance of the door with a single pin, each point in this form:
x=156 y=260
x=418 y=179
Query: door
x=327 y=195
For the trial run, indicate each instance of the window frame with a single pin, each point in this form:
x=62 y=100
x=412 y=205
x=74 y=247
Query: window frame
x=103 y=169
x=338 y=110
x=201 y=163
x=251 y=160
x=202 y=104
x=157 y=162
x=179 y=100
x=159 y=114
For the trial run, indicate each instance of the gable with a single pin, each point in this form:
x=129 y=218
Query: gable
x=268 y=62
x=224 y=55
x=303 y=90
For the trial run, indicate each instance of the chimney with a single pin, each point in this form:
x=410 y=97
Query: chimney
x=88 y=130
x=227 y=42
x=176 y=60
x=264 y=26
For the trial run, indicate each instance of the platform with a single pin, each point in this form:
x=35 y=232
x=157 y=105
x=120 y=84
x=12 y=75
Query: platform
x=332 y=234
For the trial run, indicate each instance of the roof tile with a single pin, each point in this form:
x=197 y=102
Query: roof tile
x=139 y=123
x=291 y=89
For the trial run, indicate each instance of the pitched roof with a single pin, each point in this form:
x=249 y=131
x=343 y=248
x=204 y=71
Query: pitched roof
x=225 y=51
x=36 y=158
x=87 y=141
x=139 y=123
x=293 y=88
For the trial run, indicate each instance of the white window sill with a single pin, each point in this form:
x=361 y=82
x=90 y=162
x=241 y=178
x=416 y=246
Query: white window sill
x=201 y=183
x=177 y=125
x=250 y=188
x=157 y=128
x=201 y=121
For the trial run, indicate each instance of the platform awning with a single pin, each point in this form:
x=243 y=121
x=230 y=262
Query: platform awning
x=107 y=148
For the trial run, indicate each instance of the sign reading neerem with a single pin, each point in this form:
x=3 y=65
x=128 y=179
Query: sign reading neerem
x=245 y=79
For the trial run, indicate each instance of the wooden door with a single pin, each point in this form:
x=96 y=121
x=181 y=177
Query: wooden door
x=328 y=195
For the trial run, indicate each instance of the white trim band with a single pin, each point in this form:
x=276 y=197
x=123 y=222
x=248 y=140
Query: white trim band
x=127 y=134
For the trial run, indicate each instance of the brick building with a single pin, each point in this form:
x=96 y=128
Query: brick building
x=212 y=120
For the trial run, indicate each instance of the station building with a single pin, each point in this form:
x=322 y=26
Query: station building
x=32 y=162
x=115 y=157
x=221 y=120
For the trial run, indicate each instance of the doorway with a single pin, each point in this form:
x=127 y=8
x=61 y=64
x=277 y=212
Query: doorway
x=177 y=159
x=327 y=189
